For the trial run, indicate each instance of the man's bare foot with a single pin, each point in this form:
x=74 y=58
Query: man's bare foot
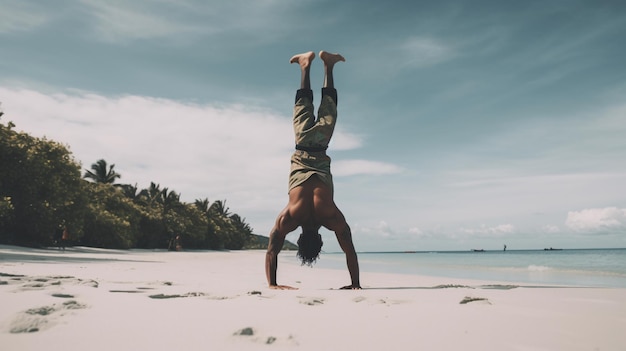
x=330 y=59
x=304 y=59
x=282 y=287
x=351 y=287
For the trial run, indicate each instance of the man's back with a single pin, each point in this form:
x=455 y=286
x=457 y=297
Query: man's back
x=311 y=205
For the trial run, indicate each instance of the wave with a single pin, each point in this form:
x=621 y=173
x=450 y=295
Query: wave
x=537 y=268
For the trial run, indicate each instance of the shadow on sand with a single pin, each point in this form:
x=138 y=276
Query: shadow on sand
x=71 y=254
x=485 y=287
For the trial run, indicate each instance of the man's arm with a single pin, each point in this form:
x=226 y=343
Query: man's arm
x=344 y=237
x=277 y=239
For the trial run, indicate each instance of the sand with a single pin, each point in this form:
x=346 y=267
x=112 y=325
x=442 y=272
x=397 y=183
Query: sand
x=93 y=299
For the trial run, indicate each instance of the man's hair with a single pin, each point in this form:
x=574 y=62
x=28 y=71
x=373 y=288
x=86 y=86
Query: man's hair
x=309 y=247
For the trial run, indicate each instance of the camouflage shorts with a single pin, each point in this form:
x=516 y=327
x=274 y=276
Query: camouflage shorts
x=315 y=133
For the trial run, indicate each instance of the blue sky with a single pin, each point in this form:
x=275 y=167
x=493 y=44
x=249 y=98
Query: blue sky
x=461 y=124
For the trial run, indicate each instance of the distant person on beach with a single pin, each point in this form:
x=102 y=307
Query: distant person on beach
x=178 y=243
x=58 y=237
x=64 y=238
x=311 y=203
x=175 y=244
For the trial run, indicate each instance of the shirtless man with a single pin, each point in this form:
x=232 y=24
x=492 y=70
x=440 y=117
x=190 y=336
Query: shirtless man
x=311 y=203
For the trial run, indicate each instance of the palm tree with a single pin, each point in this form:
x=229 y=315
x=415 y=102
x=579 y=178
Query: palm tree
x=213 y=237
x=202 y=205
x=240 y=224
x=152 y=194
x=242 y=232
x=101 y=174
x=219 y=208
x=169 y=199
x=130 y=191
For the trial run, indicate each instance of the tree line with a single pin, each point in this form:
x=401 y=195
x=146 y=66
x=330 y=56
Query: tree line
x=42 y=191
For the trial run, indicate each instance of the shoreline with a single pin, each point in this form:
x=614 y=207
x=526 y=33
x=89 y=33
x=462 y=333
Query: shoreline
x=103 y=299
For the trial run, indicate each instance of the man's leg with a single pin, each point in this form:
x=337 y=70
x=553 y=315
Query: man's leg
x=329 y=81
x=303 y=117
x=329 y=63
x=304 y=60
x=327 y=112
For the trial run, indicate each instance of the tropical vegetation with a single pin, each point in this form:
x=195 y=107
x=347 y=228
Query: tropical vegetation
x=43 y=191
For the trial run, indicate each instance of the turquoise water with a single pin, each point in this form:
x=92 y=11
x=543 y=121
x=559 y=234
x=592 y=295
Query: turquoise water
x=580 y=267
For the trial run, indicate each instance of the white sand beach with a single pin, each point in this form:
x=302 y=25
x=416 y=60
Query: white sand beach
x=93 y=299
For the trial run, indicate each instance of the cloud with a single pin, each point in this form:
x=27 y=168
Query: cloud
x=124 y=21
x=484 y=231
x=551 y=229
x=398 y=56
x=18 y=16
x=377 y=230
x=234 y=152
x=343 y=140
x=199 y=150
x=343 y=168
x=416 y=231
x=258 y=21
x=383 y=230
x=597 y=219
x=423 y=51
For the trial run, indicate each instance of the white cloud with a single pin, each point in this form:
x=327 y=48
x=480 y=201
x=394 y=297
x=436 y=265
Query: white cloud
x=198 y=150
x=485 y=231
x=597 y=219
x=417 y=233
x=376 y=230
x=231 y=152
x=422 y=51
x=384 y=229
x=16 y=15
x=551 y=229
x=362 y=167
x=123 y=21
x=259 y=21
x=345 y=141
x=415 y=230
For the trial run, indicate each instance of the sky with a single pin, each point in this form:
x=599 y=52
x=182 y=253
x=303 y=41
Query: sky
x=462 y=125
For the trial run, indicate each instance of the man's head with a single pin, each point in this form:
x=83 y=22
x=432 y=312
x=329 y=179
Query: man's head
x=309 y=246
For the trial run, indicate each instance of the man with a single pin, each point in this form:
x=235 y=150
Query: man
x=311 y=203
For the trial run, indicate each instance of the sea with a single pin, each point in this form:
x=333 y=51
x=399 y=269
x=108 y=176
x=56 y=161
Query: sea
x=569 y=267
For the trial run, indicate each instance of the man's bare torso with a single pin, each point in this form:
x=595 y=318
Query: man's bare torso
x=311 y=205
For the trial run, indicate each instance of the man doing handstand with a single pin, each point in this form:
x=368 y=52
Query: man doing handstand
x=311 y=203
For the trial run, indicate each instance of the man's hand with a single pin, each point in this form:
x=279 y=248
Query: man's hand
x=351 y=287
x=282 y=287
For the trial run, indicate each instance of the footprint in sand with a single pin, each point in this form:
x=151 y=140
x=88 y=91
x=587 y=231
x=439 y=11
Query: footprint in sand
x=63 y=296
x=252 y=335
x=359 y=299
x=311 y=301
x=40 y=283
x=468 y=299
x=174 y=296
x=40 y=318
x=380 y=301
x=21 y=283
x=139 y=289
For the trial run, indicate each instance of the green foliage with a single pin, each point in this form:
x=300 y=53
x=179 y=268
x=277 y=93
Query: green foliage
x=6 y=211
x=257 y=242
x=41 y=190
x=112 y=220
x=101 y=174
